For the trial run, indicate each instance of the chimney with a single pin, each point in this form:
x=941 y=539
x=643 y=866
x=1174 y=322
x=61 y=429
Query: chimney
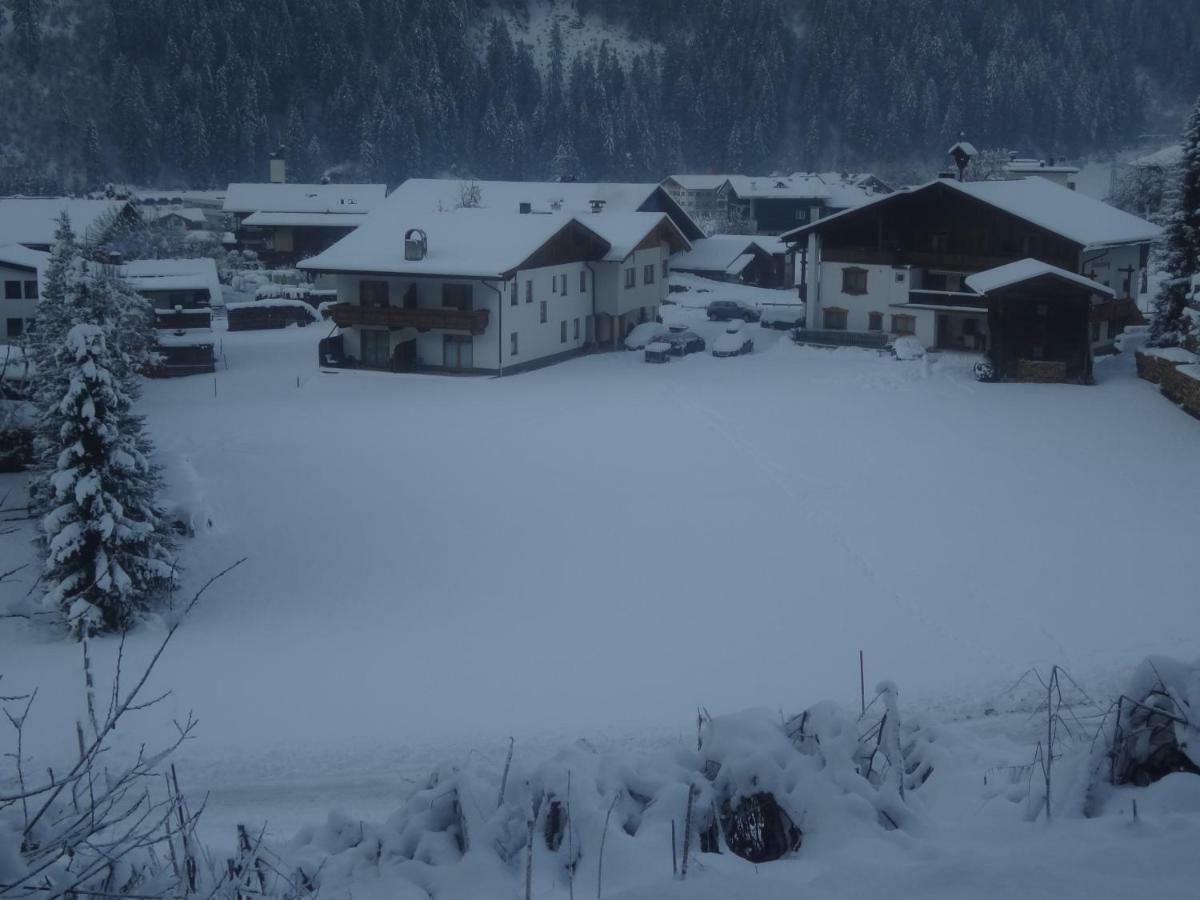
x=525 y=208
x=597 y=205
x=416 y=245
x=278 y=168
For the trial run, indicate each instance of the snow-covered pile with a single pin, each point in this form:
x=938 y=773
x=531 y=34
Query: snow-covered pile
x=755 y=788
x=908 y=348
x=275 y=303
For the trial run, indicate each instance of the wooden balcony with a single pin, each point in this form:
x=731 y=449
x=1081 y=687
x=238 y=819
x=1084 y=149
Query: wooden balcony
x=957 y=299
x=346 y=315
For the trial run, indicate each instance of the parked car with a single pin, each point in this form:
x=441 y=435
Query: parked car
x=783 y=316
x=682 y=341
x=644 y=334
x=658 y=352
x=725 y=310
x=732 y=343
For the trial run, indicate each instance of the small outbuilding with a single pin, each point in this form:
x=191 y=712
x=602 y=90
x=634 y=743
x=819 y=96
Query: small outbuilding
x=1039 y=319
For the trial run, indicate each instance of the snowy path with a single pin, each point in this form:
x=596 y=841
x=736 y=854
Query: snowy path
x=600 y=547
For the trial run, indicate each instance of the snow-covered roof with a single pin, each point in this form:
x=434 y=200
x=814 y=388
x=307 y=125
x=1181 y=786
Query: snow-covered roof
x=1075 y=216
x=466 y=243
x=1165 y=158
x=191 y=214
x=965 y=146
x=1026 y=270
x=23 y=258
x=738 y=265
x=799 y=186
x=625 y=230
x=714 y=254
x=422 y=195
x=304 y=198
x=700 y=182
x=848 y=190
x=147 y=275
x=32 y=220
x=1038 y=166
x=305 y=219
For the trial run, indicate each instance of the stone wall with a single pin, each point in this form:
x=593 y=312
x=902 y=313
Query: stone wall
x=1154 y=368
x=1181 y=384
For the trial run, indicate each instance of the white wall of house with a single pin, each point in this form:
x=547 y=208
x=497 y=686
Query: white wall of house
x=15 y=314
x=1106 y=265
x=886 y=285
x=614 y=298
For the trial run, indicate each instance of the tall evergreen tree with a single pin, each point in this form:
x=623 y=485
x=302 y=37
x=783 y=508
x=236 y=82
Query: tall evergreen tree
x=1182 y=259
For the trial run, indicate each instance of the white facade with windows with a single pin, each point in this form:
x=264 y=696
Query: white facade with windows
x=21 y=271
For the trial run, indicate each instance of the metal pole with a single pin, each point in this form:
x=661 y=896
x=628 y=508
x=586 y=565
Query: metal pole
x=862 y=684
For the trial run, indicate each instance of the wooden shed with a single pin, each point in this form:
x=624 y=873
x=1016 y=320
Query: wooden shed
x=1039 y=319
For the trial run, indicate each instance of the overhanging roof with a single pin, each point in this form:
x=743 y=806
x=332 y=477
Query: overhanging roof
x=1027 y=270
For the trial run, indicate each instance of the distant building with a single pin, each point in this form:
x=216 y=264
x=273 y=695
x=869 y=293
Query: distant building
x=748 y=259
x=698 y=194
x=175 y=283
x=902 y=263
x=493 y=290
x=21 y=271
x=1059 y=173
x=32 y=221
x=850 y=189
x=285 y=223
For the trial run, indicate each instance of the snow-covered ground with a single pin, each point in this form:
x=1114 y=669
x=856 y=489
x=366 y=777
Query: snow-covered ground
x=596 y=549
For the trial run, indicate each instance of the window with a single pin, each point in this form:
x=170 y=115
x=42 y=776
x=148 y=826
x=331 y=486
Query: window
x=576 y=329
x=1095 y=332
x=648 y=274
x=562 y=331
x=16 y=327
x=562 y=287
x=904 y=324
x=899 y=277
x=456 y=296
x=376 y=346
x=512 y=344
x=31 y=292
x=12 y=290
x=854 y=280
x=666 y=269
x=542 y=317
x=802 y=214
x=834 y=318
x=630 y=278
x=373 y=293
x=582 y=281
x=875 y=321
x=515 y=297
x=529 y=291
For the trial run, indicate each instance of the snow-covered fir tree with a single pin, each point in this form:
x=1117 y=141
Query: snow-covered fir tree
x=108 y=555
x=1182 y=258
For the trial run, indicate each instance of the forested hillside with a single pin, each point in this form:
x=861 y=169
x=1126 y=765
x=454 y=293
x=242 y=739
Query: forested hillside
x=200 y=91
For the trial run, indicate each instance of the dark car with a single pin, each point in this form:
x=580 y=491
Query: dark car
x=682 y=341
x=726 y=310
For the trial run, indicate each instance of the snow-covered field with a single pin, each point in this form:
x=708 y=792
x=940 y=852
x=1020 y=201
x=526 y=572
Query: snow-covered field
x=596 y=549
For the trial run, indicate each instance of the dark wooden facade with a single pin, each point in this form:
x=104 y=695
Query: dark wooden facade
x=942 y=228
x=1040 y=330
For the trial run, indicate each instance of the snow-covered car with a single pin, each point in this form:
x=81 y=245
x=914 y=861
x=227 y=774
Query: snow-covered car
x=782 y=316
x=733 y=342
x=658 y=352
x=682 y=341
x=644 y=334
x=726 y=310
x=907 y=348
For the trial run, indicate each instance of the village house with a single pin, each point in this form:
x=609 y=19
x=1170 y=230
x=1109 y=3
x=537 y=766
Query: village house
x=1060 y=173
x=422 y=195
x=175 y=283
x=748 y=259
x=284 y=223
x=699 y=195
x=489 y=291
x=32 y=221
x=773 y=205
x=21 y=273
x=850 y=189
x=900 y=264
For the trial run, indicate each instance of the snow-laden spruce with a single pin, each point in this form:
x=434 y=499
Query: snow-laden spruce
x=107 y=552
x=1173 y=323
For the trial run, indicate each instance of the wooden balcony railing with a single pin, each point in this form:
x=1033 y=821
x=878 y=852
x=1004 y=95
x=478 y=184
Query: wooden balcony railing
x=346 y=315
x=946 y=298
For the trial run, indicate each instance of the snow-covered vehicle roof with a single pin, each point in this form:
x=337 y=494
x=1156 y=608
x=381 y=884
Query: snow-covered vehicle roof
x=645 y=334
x=729 y=341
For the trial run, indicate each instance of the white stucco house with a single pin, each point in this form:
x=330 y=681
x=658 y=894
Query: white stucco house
x=21 y=271
x=900 y=264
x=491 y=291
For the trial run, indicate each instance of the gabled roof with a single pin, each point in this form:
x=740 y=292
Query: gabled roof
x=716 y=253
x=145 y=275
x=625 y=230
x=464 y=243
x=421 y=195
x=1027 y=270
x=800 y=186
x=192 y=214
x=1165 y=158
x=33 y=220
x=1068 y=213
x=21 y=257
x=304 y=198
x=699 y=182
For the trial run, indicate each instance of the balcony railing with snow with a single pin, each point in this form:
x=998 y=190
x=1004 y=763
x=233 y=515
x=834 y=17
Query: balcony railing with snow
x=347 y=315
